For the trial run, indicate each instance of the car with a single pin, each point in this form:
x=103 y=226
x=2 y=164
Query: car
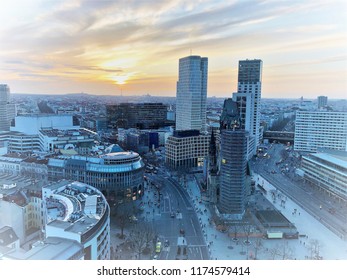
x=182 y=231
x=172 y=215
x=167 y=243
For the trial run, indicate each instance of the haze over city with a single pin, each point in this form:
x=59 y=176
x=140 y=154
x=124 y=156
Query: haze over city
x=109 y=47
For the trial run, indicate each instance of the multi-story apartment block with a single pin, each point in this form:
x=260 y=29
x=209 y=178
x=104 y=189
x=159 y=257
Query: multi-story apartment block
x=320 y=129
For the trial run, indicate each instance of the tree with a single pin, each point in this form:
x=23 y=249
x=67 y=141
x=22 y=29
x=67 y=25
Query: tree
x=247 y=229
x=122 y=213
x=314 y=247
x=283 y=251
x=138 y=239
x=258 y=245
x=150 y=235
x=234 y=229
x=273 y=252
x=286 y=252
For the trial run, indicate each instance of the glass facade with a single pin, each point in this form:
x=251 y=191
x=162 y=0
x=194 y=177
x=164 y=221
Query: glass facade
x=118 y=175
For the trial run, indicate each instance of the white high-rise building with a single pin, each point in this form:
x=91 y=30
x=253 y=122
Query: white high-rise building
x=322 y=101
x=320 y=129
x=4 y=101
x=248 y=97
x=192 y=93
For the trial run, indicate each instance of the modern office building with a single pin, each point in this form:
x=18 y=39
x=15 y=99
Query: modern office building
x=233 y=167
x=48 y=133
x=136 y=115
x=79 y=212
x=320 y=129
x=322 y=101
x=327 y=170
x=7 y=109
x=248 y=97
x=32 y=124
x=191 y=93
x=186 y=149
x=119 y=176
x=80 y=140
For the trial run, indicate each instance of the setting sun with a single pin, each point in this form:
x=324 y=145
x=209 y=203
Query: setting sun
x=120 y=79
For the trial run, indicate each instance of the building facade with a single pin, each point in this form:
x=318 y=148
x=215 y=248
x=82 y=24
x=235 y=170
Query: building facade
x=4 y=108
x=233 y=165
x=327 y=170
x=191 y=93
x=119 y=176
x=136 y=115
x=248 y=98
x=186 y=149
x=322 y=101
x=320 y=129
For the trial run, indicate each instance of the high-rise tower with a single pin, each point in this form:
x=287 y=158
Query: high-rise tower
x=191 y=93
x=233 y=168
x=322 y=101
x=4 y=107
x=248 y=99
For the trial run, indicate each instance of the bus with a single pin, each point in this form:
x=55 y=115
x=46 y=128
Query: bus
x=158 y=247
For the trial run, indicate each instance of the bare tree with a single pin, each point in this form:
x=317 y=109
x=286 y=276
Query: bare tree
x=247 y=229
x=286 y=251
x=274 y=252
x=258 y=245
x=122 y=214
x=234 y=229
x=149 y=234
x=138 y=239
x=314 y=247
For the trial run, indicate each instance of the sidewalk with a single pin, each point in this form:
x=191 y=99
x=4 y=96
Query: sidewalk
x=223 y=247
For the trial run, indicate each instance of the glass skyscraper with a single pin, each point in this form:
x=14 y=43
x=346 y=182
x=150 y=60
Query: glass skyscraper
x=4 y=107
x=192 y=93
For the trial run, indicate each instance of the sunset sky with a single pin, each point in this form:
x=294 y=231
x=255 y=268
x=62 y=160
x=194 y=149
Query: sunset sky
x=103 y=47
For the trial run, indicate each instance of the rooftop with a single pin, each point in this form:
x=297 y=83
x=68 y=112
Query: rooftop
x=338 y=158
x=53 y=248
x=73 y=206
x=67 y=133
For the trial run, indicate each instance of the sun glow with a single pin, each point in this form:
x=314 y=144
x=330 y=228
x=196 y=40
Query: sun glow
x=120 y=79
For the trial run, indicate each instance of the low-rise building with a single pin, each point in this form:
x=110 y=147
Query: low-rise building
x=79 y=212
x=328 y=171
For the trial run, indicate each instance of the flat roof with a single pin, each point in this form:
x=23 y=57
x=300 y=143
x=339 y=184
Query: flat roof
x=53 y=248
x=339 y=160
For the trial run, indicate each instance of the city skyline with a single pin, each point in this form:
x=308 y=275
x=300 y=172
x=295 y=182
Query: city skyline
x=97 y=48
